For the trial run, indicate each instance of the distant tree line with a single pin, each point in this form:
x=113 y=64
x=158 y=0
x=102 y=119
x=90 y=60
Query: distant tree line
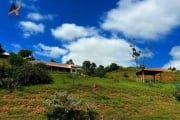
x=91 y=69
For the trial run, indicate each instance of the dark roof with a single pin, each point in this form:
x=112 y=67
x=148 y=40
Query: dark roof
x=152 y=71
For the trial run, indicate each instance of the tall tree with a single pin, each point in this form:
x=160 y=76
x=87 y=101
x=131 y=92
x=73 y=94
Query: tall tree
x=112 y=67
x=70 y=61
x=86 y=66
x=25 y=53
x=135 y=54
x=92 y=68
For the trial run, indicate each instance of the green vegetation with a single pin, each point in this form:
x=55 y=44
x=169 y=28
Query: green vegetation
x=117 y=98
x=16 y=72
x=64 y=106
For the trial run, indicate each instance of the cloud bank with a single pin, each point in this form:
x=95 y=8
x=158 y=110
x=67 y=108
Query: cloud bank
x=100 y=50
x=144 y=19
x=70 y=32
x=147 y=19
x=175 y=61
x=30 y=28
x=49 y=51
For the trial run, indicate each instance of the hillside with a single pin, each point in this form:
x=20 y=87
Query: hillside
x=117 y=98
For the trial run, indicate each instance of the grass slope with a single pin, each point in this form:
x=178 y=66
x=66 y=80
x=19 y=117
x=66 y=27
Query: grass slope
x=118 y=98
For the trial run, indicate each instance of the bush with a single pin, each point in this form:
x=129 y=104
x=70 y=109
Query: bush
x=3 y=71
x=16 y=60
x=9 y=83
x=125 y=75
x=63 y=106
x=177 y=94
x=28 y=74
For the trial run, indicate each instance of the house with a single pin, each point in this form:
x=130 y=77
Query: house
x=4 y=55
x=59 y=67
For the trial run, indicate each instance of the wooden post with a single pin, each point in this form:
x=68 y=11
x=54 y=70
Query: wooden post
x=143 y=76
x=160 y=76
x=154 y=77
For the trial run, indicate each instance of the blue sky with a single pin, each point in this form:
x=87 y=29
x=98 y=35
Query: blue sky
x=99 y=31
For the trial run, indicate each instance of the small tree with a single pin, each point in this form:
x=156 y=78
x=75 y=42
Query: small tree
x=15 y=60
x=100 y=71
x=86 y=67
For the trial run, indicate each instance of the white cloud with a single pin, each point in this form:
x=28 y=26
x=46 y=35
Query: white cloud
x=49 y=51
x=72 y=31
x=35 y=16
x=175 y=62
x=15 y=45
x=38 y=17
x=30 y=28
x=100 y=50
x=30 y=6
x=147 y=53
x=149 y=19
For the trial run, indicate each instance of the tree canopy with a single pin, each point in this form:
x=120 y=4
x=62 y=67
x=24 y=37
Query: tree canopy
x=25 y=53
x=70 y=61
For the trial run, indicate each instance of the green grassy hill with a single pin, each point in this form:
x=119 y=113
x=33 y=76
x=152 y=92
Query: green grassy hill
x=118 y=98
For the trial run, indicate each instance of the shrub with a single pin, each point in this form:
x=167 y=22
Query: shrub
x=125 y=75
x=28 y=74
x=9 y=83
x=6 y=78
x=3 y=71
x=177 y=94
x=63 y=106
x=16 y=60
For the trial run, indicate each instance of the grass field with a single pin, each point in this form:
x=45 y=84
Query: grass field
x=118 y=98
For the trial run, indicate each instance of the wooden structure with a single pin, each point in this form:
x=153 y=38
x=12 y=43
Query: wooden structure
x=150 y=72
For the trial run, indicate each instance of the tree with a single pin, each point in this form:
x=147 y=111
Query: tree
x=112 y=67
x=100 y=71
x=25 y=53
x=70 y=61
x=15 y=60
x=92 y=68
x=1 y=49
x=86 y=67
x=52 y=60
x=135 y=55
